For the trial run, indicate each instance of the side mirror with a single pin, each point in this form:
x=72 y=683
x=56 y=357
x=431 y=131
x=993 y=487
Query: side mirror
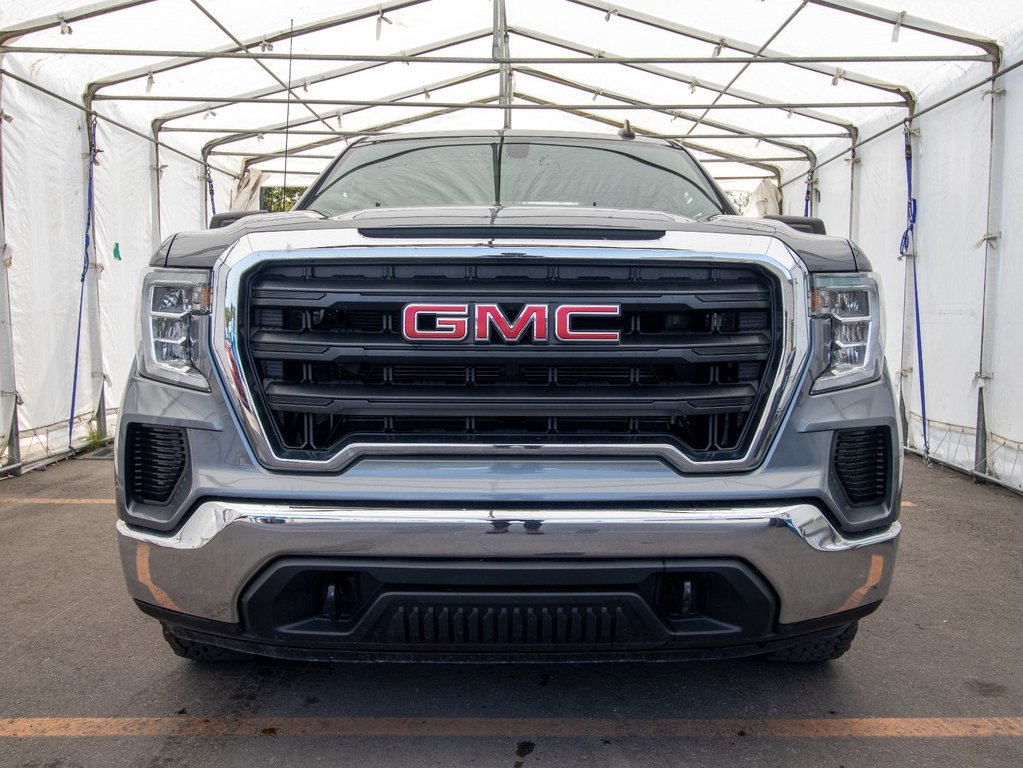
x=219 y=220
x=806 y=224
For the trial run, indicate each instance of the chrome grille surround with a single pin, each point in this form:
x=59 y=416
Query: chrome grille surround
x=674 y=247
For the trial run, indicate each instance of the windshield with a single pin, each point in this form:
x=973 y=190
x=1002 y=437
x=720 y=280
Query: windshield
x=516 y=171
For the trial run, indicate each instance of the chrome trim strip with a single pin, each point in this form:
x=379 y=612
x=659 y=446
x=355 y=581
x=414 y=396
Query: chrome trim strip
x=212 y=517
x=314 y=245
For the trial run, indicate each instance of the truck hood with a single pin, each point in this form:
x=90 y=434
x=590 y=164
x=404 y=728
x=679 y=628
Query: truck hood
x=201 y=249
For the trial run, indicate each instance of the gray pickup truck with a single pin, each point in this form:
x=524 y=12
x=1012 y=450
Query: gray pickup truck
x=509 y=395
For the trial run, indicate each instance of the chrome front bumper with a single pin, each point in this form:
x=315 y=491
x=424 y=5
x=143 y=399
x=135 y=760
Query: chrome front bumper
x=202 y=569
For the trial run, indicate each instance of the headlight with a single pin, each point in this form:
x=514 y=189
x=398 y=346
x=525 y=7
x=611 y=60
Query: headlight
x=175 y=320
x=853 y=305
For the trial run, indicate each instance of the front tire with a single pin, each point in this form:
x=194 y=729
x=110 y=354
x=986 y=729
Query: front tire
x=196 y=651
x=817 y=650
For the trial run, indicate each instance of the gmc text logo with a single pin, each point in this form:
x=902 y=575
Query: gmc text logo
x=488 y=322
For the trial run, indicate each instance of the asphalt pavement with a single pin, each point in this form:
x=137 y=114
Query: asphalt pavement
x=934 y=678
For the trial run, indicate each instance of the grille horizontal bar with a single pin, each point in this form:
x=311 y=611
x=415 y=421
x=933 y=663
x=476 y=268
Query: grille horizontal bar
x=325 y=356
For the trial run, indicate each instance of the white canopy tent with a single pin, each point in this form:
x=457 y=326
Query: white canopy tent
x=124 y=121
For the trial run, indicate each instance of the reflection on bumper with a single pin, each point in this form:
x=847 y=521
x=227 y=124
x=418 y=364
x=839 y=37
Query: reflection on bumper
x=203 y=567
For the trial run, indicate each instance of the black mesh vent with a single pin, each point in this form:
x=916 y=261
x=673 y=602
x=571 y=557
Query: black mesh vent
x=324 y=354
x=155 y=461
x=861 y=463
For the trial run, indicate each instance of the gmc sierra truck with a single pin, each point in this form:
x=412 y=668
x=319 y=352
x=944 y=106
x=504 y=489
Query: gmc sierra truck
x=509 y=396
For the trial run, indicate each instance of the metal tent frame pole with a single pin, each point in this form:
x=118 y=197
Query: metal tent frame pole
x=684 y=79
x=13 y=441
x=819 y=63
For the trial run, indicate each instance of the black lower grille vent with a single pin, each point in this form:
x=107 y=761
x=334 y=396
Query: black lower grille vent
x=861 y=461
x=155 y=460
x=511 y=625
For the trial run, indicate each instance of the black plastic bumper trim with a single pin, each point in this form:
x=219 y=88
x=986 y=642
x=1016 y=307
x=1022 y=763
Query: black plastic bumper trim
x=233 y=636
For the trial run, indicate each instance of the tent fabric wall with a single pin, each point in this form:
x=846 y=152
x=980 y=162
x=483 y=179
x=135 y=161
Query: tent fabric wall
x=145 y=194
x=1004 y=351
x=952 y=188
x=123 y=174
x=44 y=221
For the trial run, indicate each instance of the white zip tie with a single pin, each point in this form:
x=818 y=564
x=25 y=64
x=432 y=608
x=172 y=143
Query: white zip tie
x=898 y=26
x=839 y=75
x=150 y=81
x=65 y=28
x=990 y=237
x=611 y=12
x=719 y=47
x=380 y=22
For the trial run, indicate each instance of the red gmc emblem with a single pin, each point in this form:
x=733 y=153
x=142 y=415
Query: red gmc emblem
x=488 y=322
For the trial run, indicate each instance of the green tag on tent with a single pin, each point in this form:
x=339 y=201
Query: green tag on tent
x=117 y=251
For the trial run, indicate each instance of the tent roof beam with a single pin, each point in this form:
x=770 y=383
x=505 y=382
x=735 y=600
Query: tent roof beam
x=180 y=58
x=759 y=53
x=262 y=65
x=687 y=80
x=220 y=100
x=184 y=58
x=106 y=119
x=584 y=113
x=53 y=20
x=337 y=73
x=736 y=132
x=240 y=134
x=381 y=128
x=290 y=128
x=916 y=23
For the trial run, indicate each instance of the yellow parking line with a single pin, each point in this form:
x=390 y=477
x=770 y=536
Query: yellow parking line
x=865 y=727
x=53 y=502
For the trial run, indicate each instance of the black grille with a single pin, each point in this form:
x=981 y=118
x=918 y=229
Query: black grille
x=328 y=364
x=861 y=461
x=155 y=461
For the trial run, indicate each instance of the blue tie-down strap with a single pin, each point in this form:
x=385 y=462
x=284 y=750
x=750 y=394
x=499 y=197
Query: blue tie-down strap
x=209 y=186
x=906 y=247
x=907 y=236
x=85 y=272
